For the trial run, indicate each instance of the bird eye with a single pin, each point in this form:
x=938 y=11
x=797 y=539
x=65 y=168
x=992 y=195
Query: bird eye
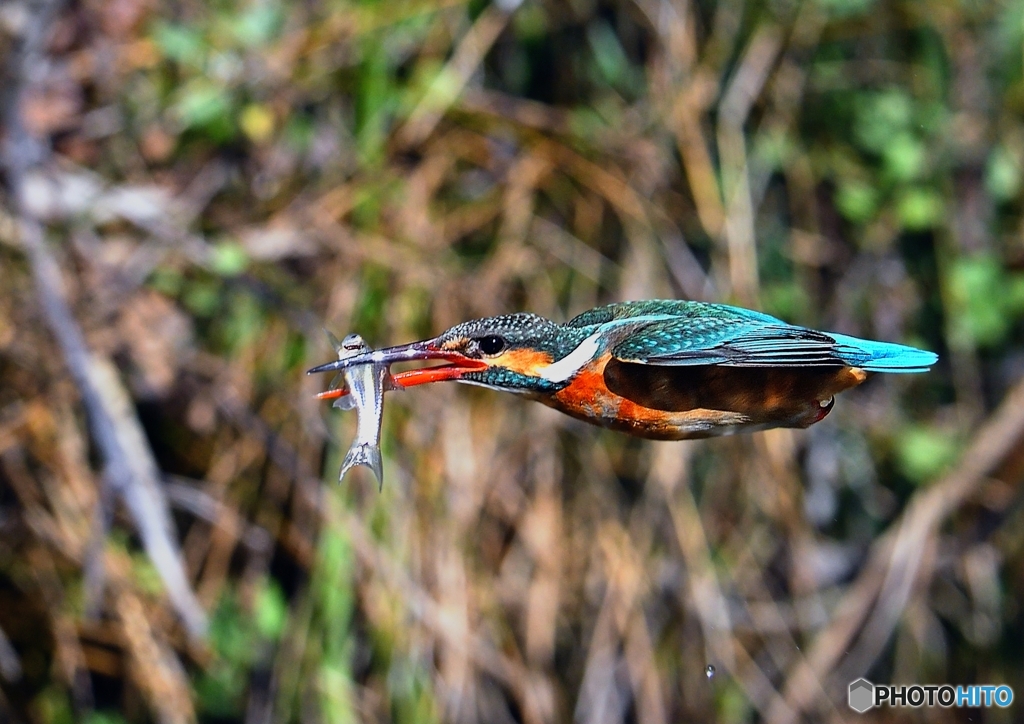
x=491 y=344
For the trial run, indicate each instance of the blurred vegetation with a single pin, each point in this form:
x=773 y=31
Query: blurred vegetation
x=229 y=176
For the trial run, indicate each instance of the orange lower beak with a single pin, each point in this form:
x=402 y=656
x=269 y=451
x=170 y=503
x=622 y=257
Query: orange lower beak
x=411 y=378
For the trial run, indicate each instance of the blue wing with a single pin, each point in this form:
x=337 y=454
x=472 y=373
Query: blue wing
x=715 y=334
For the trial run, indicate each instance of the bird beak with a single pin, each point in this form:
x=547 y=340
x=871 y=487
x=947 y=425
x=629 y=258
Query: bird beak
x=427 y=350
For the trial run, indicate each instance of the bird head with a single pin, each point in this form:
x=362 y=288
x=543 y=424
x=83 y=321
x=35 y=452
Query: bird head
x=511 y=352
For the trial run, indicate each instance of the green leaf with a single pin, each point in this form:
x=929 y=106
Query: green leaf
x=609 y=56
x=786 y=300
x=271 y=611
x=375 y=101
x=586 y=122
x=335 y=590
x=202 y=103
x=880 y=117
x=53 y=707
x=920 y=209
x=228 y=259
x=299 y=133
x=904 y=157
x=220 y=691
x=243 y=321
x=984 y=300
x=857 y=201
x=1003 y=174
x=1015 y=295
x=179 y=43
x=166 y=280
x=336 y=694
x=775 y=150
x=228 y=633
x=925 y=452
x=733 y=703
x=257 y=25
x=530 y=21
x=145 y=575
x=202 y=297
x=411 y=693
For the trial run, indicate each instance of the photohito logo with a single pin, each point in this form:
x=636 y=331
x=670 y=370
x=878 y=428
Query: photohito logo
x=863 y=695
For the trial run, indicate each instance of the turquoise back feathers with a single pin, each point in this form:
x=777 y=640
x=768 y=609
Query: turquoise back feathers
x=678 y=333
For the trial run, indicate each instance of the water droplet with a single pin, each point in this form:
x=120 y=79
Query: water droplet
x=709 y=670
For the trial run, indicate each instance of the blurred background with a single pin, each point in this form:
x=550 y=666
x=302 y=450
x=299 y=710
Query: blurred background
x=192 y=190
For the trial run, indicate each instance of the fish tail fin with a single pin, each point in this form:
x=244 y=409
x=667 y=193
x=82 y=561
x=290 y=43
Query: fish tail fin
x=366 y=455
x=883 y=356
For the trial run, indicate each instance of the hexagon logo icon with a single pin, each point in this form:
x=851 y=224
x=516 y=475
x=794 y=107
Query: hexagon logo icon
x=861 y=695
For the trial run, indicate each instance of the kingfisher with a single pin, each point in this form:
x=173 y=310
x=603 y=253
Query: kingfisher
x=658 y=369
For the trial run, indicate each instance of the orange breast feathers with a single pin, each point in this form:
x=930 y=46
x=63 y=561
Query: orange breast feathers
x=588 y=398
x=587 y=395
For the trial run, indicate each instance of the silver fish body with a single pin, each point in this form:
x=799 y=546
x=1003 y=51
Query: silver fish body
x=366 y=385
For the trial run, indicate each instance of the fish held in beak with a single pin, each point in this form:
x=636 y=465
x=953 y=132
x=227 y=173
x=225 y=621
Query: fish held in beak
x=366 y=385
x=426 y=351
x=367 y=376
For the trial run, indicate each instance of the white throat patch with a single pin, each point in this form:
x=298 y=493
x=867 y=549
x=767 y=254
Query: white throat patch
x=569 y=365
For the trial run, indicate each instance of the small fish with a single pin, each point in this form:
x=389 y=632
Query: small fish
x=366 y=385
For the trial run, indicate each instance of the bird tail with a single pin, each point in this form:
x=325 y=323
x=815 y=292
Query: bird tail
x=874 y=356
x=366 y=455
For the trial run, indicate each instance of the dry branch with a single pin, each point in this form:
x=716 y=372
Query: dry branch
x=129 y=466
x=870 y=611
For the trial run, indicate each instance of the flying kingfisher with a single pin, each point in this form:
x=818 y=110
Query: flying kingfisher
x=660 y=369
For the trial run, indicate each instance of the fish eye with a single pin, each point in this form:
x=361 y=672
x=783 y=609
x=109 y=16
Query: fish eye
x=491 y=344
